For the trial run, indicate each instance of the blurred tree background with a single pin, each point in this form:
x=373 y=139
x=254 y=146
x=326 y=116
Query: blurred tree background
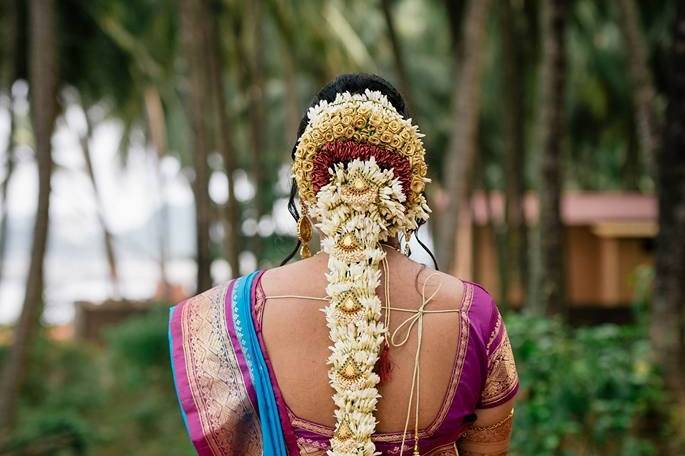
x=515 y=97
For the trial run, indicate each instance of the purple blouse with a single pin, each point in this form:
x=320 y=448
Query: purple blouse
x=483 y=376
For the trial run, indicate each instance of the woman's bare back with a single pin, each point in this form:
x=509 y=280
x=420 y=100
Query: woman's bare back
x=297 y=340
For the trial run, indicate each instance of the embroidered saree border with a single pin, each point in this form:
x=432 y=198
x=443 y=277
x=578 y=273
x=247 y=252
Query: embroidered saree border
x=464 y=341
x=273 y=439
x=445 y=450
x=257 y=306
x=311 y=447
x=501 y=383
x=236 y=333
x=176 y=371
x=494 y=333
x=212 y=390
x=502 y=380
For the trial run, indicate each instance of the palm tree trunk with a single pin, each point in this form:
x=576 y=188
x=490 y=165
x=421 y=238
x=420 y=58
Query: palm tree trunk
x=255 y=90
x=43 y=79
x=4 y=187
x=643 y=88
x=292 y=102
x=107 y=237
x=195 y=55
x=228 y=153
x=551 y=277
x=156 y=123
x=398 y=55
x=514 y=143
x=8 y=74
x=250 y=81
x=455 y=16
x=668 y=308
x=462 y=149
x=631 y=167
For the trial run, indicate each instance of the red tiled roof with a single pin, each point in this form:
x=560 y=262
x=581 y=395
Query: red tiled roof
x=576 y=208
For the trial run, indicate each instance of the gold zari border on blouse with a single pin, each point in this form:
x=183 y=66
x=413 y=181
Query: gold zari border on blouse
x=502 y=377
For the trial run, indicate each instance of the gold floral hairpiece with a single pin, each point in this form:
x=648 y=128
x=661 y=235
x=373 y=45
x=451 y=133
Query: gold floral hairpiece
x=367 y=118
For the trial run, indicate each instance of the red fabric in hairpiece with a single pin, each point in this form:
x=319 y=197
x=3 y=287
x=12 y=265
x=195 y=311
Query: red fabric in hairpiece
x=345 y=151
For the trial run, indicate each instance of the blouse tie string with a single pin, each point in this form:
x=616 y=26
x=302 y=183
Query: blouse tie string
x=416 y=319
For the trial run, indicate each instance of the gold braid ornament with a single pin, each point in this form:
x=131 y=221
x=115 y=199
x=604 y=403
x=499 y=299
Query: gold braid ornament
x=361 y=206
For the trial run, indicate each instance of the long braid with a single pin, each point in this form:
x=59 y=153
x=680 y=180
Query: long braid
x=360 y=173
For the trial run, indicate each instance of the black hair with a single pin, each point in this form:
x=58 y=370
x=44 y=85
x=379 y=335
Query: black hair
x=354 y=83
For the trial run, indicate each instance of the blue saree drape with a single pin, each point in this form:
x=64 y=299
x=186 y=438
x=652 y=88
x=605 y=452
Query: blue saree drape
x=272 y=433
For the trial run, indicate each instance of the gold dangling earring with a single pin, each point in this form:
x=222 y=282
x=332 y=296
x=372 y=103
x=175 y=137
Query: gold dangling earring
x=407 y=236
x=304 y=233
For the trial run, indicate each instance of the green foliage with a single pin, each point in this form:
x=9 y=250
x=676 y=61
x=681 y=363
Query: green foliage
x=141 y=342
x=586 y=391
x=109 y=400
x=60 y=393
x=144 y=417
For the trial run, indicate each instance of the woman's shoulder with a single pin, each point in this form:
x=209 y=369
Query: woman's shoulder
x=307 y=276
x=474 y=297
x=473 y=300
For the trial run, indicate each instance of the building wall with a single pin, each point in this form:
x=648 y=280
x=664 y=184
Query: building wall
x=583 y=281
x=600 y=271
x=635 y=254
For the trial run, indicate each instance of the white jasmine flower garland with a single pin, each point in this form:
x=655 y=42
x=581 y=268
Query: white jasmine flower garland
x=361 y=206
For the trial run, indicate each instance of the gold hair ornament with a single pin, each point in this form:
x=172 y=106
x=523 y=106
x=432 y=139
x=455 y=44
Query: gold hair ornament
x=364 y=118
x=304 y=233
